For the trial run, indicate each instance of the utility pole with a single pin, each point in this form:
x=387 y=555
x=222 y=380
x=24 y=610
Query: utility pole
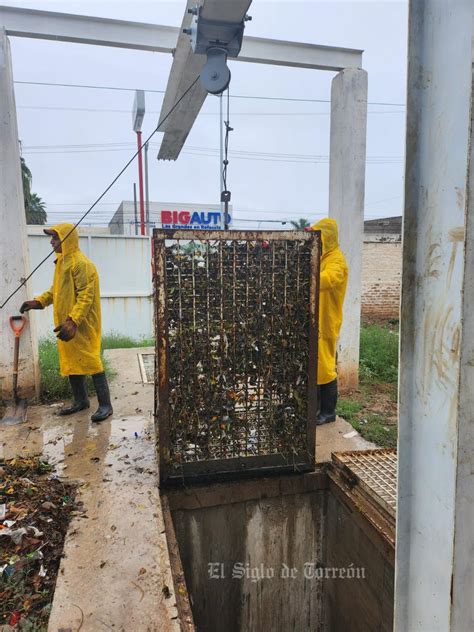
x=135 y=207
x=147 y=192
x=138 y=116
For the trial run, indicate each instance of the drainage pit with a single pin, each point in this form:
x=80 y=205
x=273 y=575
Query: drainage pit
x=297 y=552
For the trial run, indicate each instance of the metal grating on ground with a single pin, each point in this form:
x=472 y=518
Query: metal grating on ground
x=147 y=367
x=376 y=472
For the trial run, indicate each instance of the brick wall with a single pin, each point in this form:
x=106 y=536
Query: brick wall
x=381 y=279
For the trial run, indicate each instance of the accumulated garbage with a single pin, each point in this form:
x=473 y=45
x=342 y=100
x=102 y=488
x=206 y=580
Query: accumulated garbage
x=238 y=332
x=35 y=510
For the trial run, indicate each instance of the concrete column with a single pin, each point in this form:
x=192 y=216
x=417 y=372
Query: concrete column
x=434 y=577
x=346 y=203
x=14 y=258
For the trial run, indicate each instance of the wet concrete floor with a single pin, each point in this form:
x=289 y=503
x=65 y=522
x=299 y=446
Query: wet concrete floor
x=116 y=570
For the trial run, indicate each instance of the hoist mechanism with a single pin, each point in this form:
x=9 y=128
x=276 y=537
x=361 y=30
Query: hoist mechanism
x=218 y=40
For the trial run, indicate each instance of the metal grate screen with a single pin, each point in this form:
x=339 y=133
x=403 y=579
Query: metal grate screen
x=376 y=471
x=236 y=342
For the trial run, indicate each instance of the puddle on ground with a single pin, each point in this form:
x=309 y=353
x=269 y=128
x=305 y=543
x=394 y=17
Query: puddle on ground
x=76 y=448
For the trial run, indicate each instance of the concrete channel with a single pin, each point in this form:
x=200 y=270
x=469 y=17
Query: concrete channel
x=283 y=553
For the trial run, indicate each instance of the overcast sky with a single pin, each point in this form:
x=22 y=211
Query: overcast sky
x=75 y=140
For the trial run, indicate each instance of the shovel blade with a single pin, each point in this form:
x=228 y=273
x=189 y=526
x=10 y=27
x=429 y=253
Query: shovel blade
x=16 y=413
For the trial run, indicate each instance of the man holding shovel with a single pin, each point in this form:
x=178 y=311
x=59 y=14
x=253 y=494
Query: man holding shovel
x=75 y=296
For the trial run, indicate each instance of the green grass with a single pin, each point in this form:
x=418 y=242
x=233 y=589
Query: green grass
x=54 y=387
x=348 y=409
x=378 y=354
x=374 y=428
x=372 y=408
x=117 y=341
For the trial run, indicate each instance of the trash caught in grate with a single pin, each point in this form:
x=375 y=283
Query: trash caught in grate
x=236 y=341
x=376 y=472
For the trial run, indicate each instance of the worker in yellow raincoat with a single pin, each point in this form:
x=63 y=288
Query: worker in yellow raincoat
x=333 y=282
x=75 y=296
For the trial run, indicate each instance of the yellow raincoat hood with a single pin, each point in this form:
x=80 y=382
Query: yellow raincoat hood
x=329 y=234
x=75 y=294
x=68 y=235
x=333 y=283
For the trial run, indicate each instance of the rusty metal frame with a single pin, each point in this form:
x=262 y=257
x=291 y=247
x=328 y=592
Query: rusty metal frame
x=215 y=469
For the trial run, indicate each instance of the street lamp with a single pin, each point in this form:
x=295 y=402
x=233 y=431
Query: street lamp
x=138 y=116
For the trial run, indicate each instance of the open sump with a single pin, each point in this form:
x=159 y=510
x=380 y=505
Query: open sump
x=290 y=552
x=258 y=539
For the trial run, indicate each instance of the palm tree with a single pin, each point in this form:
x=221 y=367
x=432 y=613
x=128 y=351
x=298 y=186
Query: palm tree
x=301 y=224
x=27 y=179
x=36 y=211
x=35 y=208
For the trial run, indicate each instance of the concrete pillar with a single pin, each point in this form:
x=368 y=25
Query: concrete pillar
x=14 y=258
x=434 y=576
x=346 y=203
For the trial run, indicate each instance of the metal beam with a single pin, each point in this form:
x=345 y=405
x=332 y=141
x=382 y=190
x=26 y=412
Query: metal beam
x=260 y=50
x=184 y=70
x=81 y=29
x=186 y=67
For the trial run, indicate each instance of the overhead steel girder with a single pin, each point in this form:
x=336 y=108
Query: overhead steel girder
x=186 y=67
x=82 y=29
x=65 y=27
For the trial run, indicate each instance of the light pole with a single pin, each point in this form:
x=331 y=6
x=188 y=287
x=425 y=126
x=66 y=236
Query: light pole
x=147 y=191
x=138 y=116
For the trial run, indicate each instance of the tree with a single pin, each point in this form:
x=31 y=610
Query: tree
x=35 y=208
x=301 y=224
x=27 y=179
x=36 y=212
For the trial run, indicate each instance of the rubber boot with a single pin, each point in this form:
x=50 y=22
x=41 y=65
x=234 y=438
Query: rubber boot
x=79 y=393
x=103 y=395
x=328 y=403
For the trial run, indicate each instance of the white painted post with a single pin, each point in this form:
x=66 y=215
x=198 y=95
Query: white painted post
x=346 y=203
x=14 y=258
x=434 y=577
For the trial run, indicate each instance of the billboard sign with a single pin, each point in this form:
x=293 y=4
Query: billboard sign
x=193 y=220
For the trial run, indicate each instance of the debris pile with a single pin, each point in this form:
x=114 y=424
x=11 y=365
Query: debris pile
x=35 y=510
x=238 y=330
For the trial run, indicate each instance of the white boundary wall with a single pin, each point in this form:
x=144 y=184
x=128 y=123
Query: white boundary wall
x=124 y=266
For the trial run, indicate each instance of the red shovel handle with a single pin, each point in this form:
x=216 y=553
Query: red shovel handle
x=17 y=323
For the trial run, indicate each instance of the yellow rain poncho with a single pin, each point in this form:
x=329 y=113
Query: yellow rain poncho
x=75 y=294
x=334 y=274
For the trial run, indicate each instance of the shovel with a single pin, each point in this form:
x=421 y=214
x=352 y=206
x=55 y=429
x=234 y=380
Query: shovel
x=17 y=409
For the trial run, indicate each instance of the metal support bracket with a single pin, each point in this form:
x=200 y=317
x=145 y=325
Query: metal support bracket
x=218 y=40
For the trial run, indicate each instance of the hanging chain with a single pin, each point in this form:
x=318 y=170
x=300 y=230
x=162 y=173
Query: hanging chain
x=226 y=194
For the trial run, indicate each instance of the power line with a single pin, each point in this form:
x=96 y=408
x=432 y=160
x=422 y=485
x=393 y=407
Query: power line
x=106 y=190
x=201 y=151
x=78 y=85
x=56 y=108
x=232 y=96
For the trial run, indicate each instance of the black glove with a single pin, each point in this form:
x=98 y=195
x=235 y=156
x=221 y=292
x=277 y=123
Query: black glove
x=67 y=330
x=27 y=305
